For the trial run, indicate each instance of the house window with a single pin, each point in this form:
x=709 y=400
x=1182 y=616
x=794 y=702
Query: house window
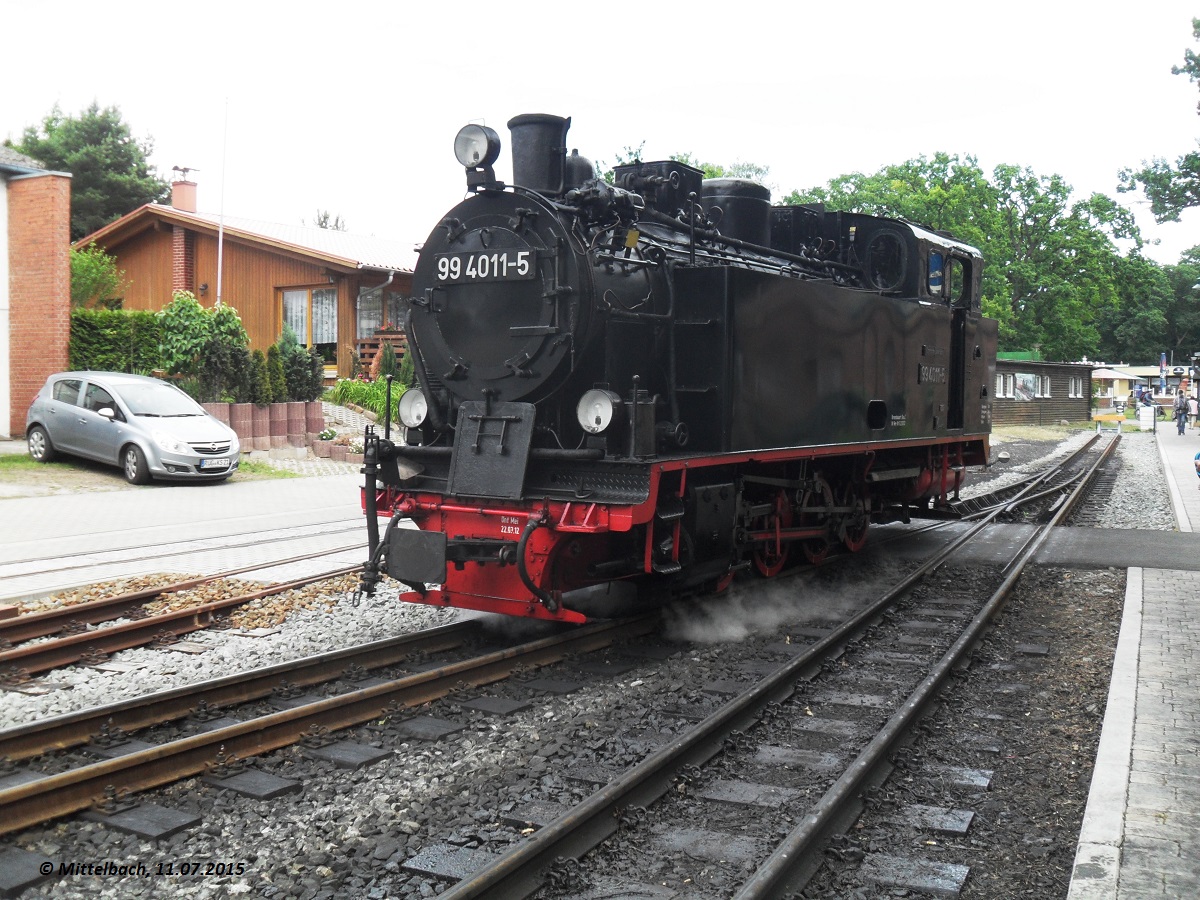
x=1075 y=389
x=312 y=315
x=378 y=310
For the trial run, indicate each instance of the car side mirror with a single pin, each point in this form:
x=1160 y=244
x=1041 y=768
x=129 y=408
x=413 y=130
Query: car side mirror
x=107 y=412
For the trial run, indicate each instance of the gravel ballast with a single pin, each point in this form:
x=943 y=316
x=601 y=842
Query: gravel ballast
x=349 y=833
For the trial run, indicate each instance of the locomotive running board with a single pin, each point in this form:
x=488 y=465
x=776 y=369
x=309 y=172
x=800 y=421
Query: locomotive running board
x=529 y=609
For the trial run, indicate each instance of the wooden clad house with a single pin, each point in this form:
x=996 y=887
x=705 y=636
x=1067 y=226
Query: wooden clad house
x=334 y=289
x=1031 y=392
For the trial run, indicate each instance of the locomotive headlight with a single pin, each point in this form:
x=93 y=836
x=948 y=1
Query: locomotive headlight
x=476 y=146
x=412 y=408
x=596 y=410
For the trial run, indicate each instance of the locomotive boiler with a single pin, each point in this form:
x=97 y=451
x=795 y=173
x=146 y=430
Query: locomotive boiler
x=664 y=380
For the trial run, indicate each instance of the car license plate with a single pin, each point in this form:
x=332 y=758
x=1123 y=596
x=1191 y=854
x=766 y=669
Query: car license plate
x=214 y=464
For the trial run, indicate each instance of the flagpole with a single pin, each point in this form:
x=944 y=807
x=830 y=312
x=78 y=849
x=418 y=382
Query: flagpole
x=221 y=213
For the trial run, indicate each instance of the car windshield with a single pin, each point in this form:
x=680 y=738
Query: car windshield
x=157 y=399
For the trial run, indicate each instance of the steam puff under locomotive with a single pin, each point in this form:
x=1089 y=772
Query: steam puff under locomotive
x=664 y=380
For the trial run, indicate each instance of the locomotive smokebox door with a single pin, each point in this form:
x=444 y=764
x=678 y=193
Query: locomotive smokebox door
x=416 y=557
x=491 y=449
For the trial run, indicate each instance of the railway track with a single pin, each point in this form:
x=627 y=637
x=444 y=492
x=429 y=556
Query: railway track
x=44 y=572
x=18 y=663
x=82 y=791
x=48 y=797
x=71 y=618
x=530 y=865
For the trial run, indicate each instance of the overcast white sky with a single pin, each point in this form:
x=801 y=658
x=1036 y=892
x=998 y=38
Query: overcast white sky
x=352 y=107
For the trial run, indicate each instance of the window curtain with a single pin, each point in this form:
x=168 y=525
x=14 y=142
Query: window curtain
x=324 y=313
x=295 y=314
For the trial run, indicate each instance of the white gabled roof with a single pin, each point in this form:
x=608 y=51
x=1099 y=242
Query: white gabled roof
x=1107 y=374
x=367 y=252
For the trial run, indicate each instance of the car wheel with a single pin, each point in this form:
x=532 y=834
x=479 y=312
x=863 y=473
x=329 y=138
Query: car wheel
x=133 y=463
x=40 y=447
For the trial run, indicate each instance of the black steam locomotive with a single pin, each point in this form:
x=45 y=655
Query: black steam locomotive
x=664 y=380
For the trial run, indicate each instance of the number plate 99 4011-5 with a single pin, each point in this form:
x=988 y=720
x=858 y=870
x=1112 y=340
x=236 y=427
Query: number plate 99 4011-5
x=485 y=265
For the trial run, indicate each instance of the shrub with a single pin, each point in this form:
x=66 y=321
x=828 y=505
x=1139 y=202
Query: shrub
x=207 y=347
x=114 y=340
x=186 y=331
x=260 y=382
x=224 y=374
x=275 y=375
x=303 y=369
x=388 y=364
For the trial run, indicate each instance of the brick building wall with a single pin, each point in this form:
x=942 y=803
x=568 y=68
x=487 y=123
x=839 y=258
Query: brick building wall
x=39 y=287
x=183 y=260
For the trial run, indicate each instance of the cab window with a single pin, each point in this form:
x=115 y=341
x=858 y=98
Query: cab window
x=959 y=281
x=936 y=274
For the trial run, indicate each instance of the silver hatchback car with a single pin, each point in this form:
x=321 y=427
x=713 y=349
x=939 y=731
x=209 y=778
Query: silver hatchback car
x=149 y=428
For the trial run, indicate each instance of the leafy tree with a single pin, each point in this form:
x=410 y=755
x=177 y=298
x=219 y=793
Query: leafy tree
x=185 y=333
x=624 y=157
x=1048 y=262
x=226 y=325
x=325 y=219
x=207 y=346
x=1183 y=312
x=110 y=169
x=751 y=171
x=95 y=278
x=1135 y=327
x=1171 y=188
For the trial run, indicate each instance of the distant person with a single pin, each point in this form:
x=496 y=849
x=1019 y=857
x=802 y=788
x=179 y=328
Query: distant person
x=1193 y=410
x=1179 y=411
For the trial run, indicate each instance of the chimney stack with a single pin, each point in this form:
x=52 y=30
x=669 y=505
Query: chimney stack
x=183 y=196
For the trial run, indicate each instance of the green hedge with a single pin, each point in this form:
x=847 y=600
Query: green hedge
x=115 y=340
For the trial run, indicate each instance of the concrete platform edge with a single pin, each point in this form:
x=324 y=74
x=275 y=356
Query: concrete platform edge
x=1098 y=856
x=1182 y=519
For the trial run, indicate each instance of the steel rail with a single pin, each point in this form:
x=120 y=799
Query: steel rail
x=1031 y=481
x=517 y=872
x=72 y=729
x=255 y=539
x=782 y=872
x=56 y=795
x=44 y=623
x=46 y=655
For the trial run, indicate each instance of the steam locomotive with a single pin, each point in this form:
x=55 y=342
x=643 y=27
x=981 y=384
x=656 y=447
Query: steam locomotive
x=665 y=380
